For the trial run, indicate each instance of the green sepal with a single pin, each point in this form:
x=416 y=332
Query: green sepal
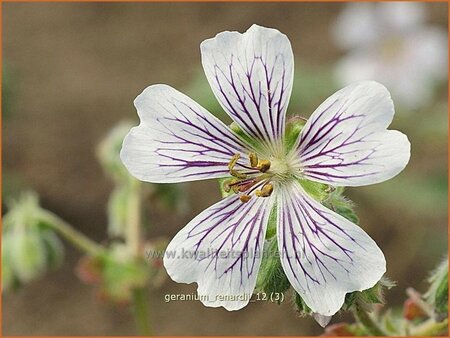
x=271 y=276
x=441 y=298
x=119 y=278
x=293 y=128
x=300 y=305
x=9 y=278
x=437 y=294
x=53 y=247
x=341 y=205
x=170 y=196
x=255 y=143
x=271 y=231
x=367 y=298
x=318 y=191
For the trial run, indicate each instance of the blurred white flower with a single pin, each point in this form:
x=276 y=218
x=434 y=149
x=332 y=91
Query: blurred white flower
x=391 y=43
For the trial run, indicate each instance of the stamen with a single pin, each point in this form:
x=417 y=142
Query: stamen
x=247 y=181
x=253 y=160
x=266 y=190
x=237 y=174
x=247 y=185
x=233 y=161
x=245 y=198
x=263 y=165
x=227 y=185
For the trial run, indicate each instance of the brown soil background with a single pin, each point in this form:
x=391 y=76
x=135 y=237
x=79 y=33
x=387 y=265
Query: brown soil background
x=76 y=70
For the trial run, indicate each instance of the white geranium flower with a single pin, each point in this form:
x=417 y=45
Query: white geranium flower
x=390 y=42
x=344 y=143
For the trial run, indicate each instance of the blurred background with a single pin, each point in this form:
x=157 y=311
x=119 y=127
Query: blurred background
x=72 y=70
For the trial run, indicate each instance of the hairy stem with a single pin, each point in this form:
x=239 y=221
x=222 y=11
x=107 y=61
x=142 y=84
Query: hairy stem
x=72 y=235
x=133 y=241
x=430 y=328
x=365 y=320
x=133 y=233
x=141 y=311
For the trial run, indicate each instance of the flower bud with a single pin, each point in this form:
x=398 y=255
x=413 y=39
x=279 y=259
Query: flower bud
x=9 y=280
x=118 y=210
x=339 y=330
x=89 y=270
x=30 y=247
x=120 y=275
x=411 y=310
x=28 y=254
x=108 y=153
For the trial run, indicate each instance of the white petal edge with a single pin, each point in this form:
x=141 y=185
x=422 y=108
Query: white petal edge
x=224 y=246
x=345 y=141
x=324 y=255
x=251 y=75
x=177 y=140
x=321 y=319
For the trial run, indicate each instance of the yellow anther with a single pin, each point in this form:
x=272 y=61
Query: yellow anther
x=266 y=190
x=233 y=161
x=263 y=165
x=253 y=160
x=237 y=174
x=226 y=187
x=245 y=198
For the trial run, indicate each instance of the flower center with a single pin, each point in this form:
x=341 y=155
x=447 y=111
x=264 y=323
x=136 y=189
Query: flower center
x=255 y=177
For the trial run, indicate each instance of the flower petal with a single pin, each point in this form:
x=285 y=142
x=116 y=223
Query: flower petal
x=321 y=319
x=251 y=75
x=177 y=139
x=345 y=141
x=323 y=254
x=221 y=250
